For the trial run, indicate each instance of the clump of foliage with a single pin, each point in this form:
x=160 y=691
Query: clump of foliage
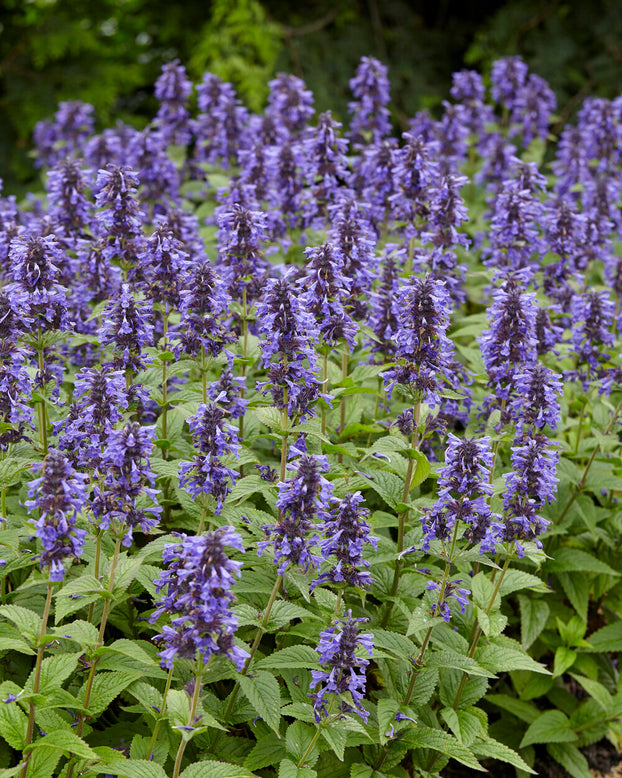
x=309 y=446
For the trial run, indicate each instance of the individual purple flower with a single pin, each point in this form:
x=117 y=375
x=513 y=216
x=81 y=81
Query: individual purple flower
x=345 y=533
x=300 y=500
x=599 y=121
x=452 y=134
x=536 y=403
x=127 y=326
x=290 y=102
x=458 y=593
x=172 y=89
x=198 y=580
x=345 y=671
x=371 y=89
x=514 y=233
x=214 y=438
x=59 y=493
x=423 y=350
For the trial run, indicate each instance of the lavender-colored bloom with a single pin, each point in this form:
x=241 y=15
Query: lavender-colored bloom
x=571 y=163
x=173 y=88
x=73 y=124
x=219 y=127
x=290 y=103
x=158 y=175
x=345 y=671
x=416 y=168
x=37 y=265
x=214 y=438
x=345 y=533
x=535 y=403
x=497 y=154
x=514 y=234
x=300 y=500
x=241 y=235
x=508 y=76
x=467 y=85
x=69 y=207
x=326 y=293
x=383 y=303
x=325 y=163
x=162 y=264
x=59 y=493
x=599 y=121
x=423 y=350
x=126 y=325
x=15 y=394
x=532 y=483
x=373 y=176
x=548 y=332
x=464 y=483
x=510 y=343
x=203 y=306
x=565 y=234
x=119 y=222
x=228 y=391
x=198 y=580
x=532 y=107
x=592 y=319
x=371 y=89
x=452 y=589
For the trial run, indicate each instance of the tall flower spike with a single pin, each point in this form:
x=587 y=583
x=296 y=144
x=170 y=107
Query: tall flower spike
x=345 y=533
x=214 y=438
x=300 y=500
x=127 y=325
x=290 y=102
x=536 y=403
x=59 y=493
x=198 y=580
x=345 y=672
x=371 y=89
x=173 y=88
x=241 y=235
x=119 y=223
x=423 y=349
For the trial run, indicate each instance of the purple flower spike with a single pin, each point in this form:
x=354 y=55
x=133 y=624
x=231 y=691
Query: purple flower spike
x=370 y=86
x=345 y=672
x=128 y=327
x=59 y=493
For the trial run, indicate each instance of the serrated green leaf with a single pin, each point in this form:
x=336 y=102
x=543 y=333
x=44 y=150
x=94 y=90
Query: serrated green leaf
x=54 y=670
x=425 y=684
x=452 y=659
x=570 y=758
x=596 y=690
x=132 y=768
x=552 y=726
x=564 y=659
x=26 y=621
x=576 y=587
x=570 y=560
x=43 y=761
x=492 y=749
x=514 y=580
x=267 y=752
x=287 y=769
x=298 y=739
x=106 y=688
x=525 y=711
x=139 y=650
x=534 y=614
x=83 y=632
x=263 y=692
x=397 y=644
x=335 y=736
x=13 y=724
x=606 y=639
x=212 y=769
x=292 y=657
x=66 y=741
x=505 y=657
x=385 y=711
x=438 y=740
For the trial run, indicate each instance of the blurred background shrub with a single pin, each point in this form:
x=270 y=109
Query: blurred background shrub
x=109 y=53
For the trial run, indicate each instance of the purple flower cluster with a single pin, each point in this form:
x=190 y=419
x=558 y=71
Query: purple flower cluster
x=198 y=580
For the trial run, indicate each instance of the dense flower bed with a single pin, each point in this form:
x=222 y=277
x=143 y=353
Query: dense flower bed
x=310 y=438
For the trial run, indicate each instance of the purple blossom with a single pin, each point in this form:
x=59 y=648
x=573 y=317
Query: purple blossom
x=59 y=493
x=452 y=589
x=508 y=76
x=173 y=88
x=163 y=264
x=241 y=236
x=536 y=403
x=55 y=140
x=345 y=672
x=198 y=580
x=119 y=222
x=16 y=388
x=532 y=106
x=219 y=127
x=345 y=533
x=290 y=103
x=300 y=500
x=127 y=325
x=371 y=89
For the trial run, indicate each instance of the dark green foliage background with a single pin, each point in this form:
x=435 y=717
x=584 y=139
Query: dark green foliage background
x=109 y=53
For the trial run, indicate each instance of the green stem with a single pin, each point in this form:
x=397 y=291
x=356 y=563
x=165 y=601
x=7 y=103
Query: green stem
x=256 y=642
x=156 y=729
x=339 y=601
x=324 y=388
x=164 y=383
x=317 y=734
x=191 y=717
x=98 y=552
x=37 y=680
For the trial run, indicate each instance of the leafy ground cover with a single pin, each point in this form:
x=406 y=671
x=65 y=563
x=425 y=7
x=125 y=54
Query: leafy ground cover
x=310 y=438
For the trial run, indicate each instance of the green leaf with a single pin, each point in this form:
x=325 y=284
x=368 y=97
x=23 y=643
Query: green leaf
x=576 y=587
x=438 y=740
x=249 y=485
x=106 y=688
x=425 y=684
x=65 y=740
x=389 y=486
x=83 y=632
x=504 y=656
x=492 y=749
x=54 y=670
x=131 y=768
x=564 y=659
x=386 y=711
x=287 y=769
x=534 y=615
x=266 y=753
x=514 y=580
x=552 y=726
x=525 y=711
x=335 y=735
x=9 y=772
x=270 y=417
x=43 y=761
x=263 y=693
x=26 y=621
x=605 y=640
x=298 y=739
x=596 y=690
x=570 y=758
x=13 y=725
x=445 y=659
x=292 y=657
x=397 y=644
x=570 y=560
x=211 y=769
x=133 y=649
